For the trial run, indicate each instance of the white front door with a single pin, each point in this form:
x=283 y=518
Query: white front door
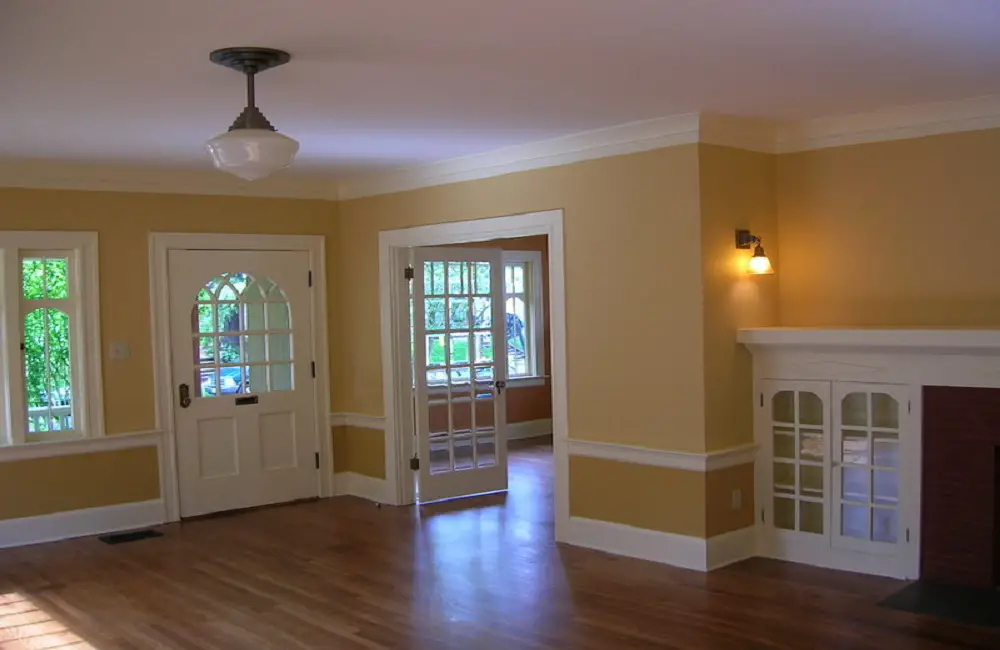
x=460 y=368
x=241 y=349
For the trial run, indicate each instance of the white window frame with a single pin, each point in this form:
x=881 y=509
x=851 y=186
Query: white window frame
x=85 y=342
x=535 y=304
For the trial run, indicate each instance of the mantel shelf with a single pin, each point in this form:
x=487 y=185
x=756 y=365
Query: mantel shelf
x=909 y=341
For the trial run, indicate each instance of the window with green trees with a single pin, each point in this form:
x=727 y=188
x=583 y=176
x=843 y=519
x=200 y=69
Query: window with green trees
x=48 y=376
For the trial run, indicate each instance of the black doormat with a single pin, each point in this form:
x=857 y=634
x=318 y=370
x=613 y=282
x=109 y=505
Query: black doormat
x=967 y=605
x=134 y=536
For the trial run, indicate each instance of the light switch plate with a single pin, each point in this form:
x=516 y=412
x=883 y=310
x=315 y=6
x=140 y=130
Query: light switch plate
x=121 y=350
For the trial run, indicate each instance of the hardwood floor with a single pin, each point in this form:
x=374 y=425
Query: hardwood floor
x=475 y=574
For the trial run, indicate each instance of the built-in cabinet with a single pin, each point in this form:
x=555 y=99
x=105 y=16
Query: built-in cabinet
x=839 y=424
x=830 y=473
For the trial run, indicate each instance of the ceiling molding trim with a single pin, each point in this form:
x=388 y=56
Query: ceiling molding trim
x=601 y=143
x=751 y=133
x=900 y=123
x=57 y=175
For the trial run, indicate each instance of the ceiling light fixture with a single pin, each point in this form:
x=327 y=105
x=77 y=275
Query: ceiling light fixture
x=251 y=149
x=758 y=264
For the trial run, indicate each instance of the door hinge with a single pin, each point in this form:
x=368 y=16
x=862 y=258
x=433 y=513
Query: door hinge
x=317 y=460
x=22 y=346
x=408 y=273
x=909 y=407
x=907 y=535
x=761 y=515
x=310 y=278
x=313 y=369
x=762 y=400
x=415 y=463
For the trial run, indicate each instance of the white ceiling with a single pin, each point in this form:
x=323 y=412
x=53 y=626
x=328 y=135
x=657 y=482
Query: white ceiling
x=383 y=83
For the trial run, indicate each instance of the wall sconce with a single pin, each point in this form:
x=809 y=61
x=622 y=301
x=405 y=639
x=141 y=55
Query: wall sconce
x=758 y=264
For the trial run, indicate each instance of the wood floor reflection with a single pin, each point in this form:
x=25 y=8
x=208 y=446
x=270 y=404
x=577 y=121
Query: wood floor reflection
x=342 y=573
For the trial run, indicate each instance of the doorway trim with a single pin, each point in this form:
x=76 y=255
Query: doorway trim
x=393 y=247
x=159 y=246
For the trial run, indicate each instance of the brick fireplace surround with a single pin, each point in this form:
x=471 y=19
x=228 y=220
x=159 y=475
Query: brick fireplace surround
x=960 y=518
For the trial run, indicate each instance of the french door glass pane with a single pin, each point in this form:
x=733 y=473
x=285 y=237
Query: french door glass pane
x=811 y=517
x=854 y=521
x=854 y=410
x=885 y=525
x=885 y=411
x=783 y=406
x=784 y=513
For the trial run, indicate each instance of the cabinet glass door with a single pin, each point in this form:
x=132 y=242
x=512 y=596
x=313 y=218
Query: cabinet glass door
x=867 y=458
x=798 y=427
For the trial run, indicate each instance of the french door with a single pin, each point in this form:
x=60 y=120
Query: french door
x=241 y=348
x=832 y=473
x=460 y=370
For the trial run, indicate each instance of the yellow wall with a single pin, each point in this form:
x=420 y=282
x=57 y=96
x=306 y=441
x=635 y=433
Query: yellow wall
x=359 y=450
x=897 y=233
x=633 y=295
x=737 y=191
x=682 y=502
x=123 y=222
x=47 y=485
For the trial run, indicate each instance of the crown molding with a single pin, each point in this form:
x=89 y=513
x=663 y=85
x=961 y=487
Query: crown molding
x=601 y=143
x=751 y=133
x=59 y=175
x=754 y=134
x=900 y=123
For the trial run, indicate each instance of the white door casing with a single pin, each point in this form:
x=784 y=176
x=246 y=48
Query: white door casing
x=241 y=341
x=460 y=369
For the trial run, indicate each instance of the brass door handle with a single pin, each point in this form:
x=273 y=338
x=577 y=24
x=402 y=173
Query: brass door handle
x=185 y=395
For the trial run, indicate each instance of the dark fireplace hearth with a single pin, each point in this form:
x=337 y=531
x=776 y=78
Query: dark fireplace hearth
x=960 y=518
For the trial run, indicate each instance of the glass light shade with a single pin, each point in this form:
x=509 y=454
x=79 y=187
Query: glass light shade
x=759 y=264
x=252 y=153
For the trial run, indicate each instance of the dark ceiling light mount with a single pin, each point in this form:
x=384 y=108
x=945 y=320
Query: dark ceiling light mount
x=758 y=264
x=252 y=148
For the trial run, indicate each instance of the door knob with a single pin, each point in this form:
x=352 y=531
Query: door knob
x=185 y=395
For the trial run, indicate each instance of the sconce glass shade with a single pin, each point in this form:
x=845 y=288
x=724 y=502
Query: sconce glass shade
x=252 y=154
x=759 y=264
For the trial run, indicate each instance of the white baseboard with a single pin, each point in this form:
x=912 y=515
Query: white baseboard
x=529 y=429
x=359 y=485
x=81 y=523
x=666 y=548
x=732 y=547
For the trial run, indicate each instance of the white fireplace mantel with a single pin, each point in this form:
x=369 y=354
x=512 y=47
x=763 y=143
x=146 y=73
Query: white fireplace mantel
x=942 y=357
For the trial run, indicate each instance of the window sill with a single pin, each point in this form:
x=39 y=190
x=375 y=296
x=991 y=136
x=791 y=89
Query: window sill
x=76 y=446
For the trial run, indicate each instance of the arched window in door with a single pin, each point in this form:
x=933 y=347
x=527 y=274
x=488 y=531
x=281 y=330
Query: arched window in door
x=242 y=337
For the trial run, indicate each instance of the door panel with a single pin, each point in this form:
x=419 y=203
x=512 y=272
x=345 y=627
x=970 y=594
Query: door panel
x=458 y=324
x=796 y=423
x=867 y=462
x=241 y=341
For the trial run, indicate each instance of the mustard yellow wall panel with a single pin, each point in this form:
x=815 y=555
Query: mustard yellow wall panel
x=358 y=450
x=900 y=233
x=44 y=486
x=644 y=496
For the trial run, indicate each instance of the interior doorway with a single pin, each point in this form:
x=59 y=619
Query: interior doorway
x=529 y=405
x=478 y=321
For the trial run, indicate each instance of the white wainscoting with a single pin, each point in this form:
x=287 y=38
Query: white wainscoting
x=529 y=429
x=81 y=523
